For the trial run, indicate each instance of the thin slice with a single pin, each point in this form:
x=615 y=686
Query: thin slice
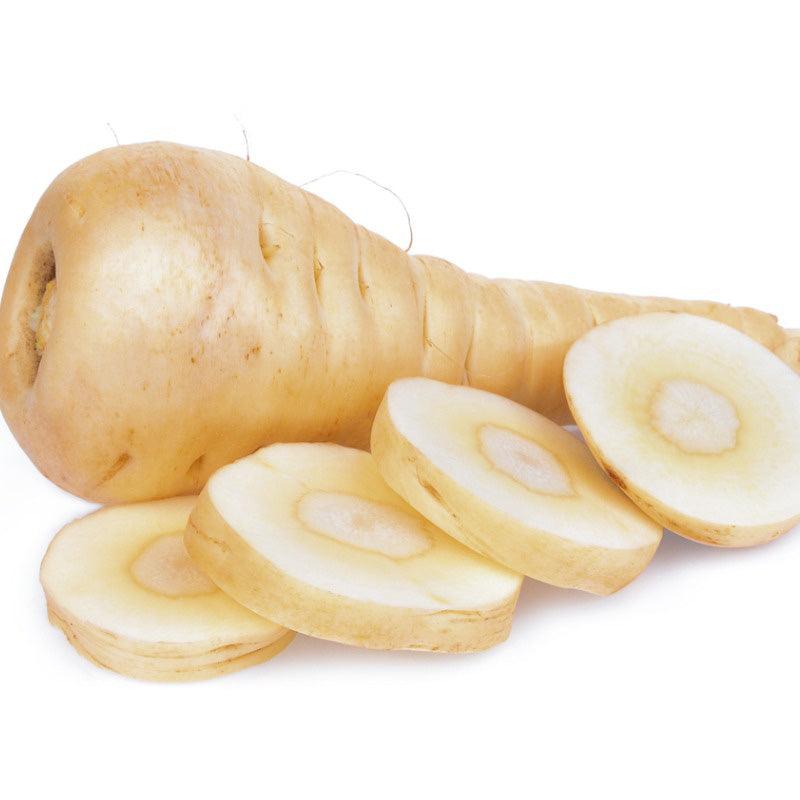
x=696 y=422
x=511 y=484
x=122 y=587
x=310 y=535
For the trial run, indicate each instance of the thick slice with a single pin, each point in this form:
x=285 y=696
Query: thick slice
x=310 y=535
x=121 y=586
x=511 y=484
x=699 y=424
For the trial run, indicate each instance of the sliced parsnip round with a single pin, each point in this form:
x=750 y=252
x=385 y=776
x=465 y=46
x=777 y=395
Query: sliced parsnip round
x=511 y=484
x=310 y=535
x=697 y=423
x=122 y=587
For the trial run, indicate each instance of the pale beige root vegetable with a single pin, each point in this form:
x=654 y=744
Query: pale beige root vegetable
x=121 y=586
x=510 y=484
x=696 y=422
x=170 y=309
x=310 y=535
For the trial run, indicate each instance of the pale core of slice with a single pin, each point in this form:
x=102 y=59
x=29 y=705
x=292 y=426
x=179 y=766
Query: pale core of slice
x=363 y=523
x=694 y=417
x=525 y=461
x=164 y=567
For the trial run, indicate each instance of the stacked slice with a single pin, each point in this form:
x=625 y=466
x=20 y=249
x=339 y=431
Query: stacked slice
x=122 y=587
x=309 y=535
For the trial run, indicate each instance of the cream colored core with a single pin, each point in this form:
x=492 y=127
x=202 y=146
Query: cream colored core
x=164 y=567
x=363 y=523
x=527 y=462
x=694 y=417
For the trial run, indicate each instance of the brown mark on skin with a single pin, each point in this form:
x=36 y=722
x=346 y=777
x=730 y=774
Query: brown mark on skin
x=363 y=286
x=253 y=351
x=465 y=380
x=218 y=543
x=425 y=323
x=121 y=462
x=196 y=465
x=267 y=250
x=75 y=206
x=41 y=277
x=614 y=475
x=431 y=490
x=436 y=495
x=318 y=268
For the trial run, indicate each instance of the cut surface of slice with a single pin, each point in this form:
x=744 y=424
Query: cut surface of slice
x=510 y=484
x=310 y=535
x=121 y=586
x=696 y=422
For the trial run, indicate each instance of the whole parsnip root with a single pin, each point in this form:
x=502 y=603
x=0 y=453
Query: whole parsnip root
x=171 y=309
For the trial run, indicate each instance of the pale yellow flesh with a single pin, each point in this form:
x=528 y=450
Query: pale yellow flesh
x=697 y=423
x=311 y=536
x=510 y=484
x=122 y=587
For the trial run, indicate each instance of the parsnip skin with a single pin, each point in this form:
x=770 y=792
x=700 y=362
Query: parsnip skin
x=204 y=308
x=122 y=663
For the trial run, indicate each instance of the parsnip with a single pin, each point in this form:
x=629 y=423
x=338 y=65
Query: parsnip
x=309 y=535
x=170 y=309
x=510 y=484
x=697 y=423
x=122 y=588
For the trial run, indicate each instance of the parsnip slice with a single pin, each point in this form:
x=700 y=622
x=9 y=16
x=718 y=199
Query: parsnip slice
x=510 y=484
x=696 y=422
x=309 y=535
x=121 y=586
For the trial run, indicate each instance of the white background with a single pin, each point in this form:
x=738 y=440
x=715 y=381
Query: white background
x=633 y=146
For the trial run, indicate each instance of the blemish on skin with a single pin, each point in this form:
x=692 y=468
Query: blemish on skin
x=318 y=269
x=253 y=351
x=430 y=489
x=119 y=464
x=219 y=543
x=267 y=250
x=614 y=476
x=75 y=206
x=195 y=471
